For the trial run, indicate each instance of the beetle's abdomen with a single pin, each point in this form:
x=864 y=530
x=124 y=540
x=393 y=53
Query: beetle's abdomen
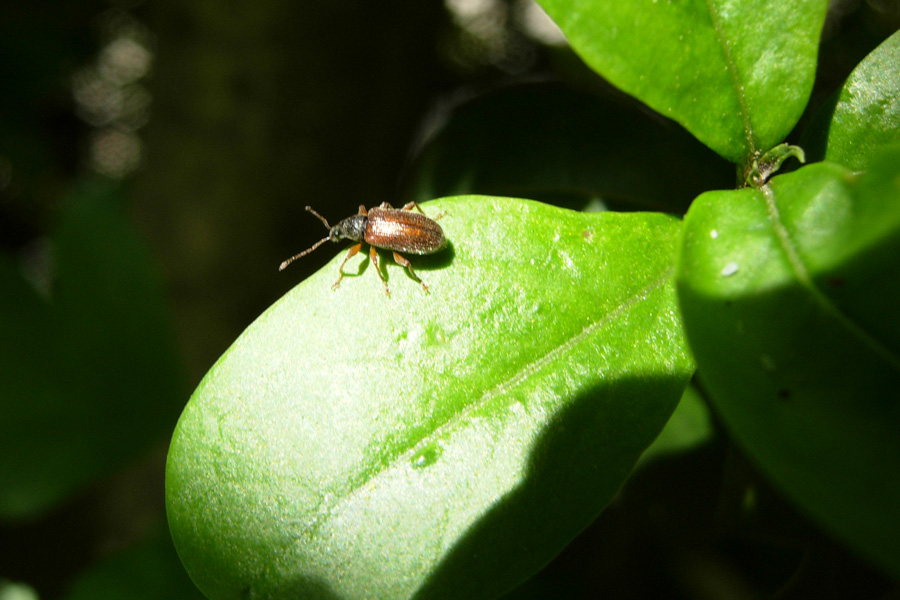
x=404 y=231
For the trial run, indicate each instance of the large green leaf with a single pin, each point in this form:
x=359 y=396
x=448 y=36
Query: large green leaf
x=789 y=295
x=851 y=128
x=442 y=444
x=736 y=73
x=576 y=147
x=89 y=376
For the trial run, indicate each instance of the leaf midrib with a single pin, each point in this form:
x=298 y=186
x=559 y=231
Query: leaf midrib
x=325 y=512
x=802 y=274
x=731 y=66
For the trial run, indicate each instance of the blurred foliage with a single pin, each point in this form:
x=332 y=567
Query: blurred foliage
x=149 y=570
x=567 y=147
x=89 y=371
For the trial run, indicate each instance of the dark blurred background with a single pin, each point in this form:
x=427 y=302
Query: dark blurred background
x=155 y=161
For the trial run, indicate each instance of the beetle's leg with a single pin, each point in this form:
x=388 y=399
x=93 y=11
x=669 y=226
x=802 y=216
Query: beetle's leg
x=414 y=204
x=373 y=254
x=350 y=254
x=385 y=205
x=401 y=260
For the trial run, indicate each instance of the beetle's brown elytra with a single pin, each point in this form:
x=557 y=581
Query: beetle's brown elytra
x=387 y=228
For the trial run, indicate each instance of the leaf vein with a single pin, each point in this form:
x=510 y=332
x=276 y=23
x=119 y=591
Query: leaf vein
x=731 y=66
x=521 y=375
x=802 y=274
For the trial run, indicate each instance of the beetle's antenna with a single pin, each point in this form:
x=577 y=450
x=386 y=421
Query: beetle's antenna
x=302 y=254
x=314 y=246
x=321 y=218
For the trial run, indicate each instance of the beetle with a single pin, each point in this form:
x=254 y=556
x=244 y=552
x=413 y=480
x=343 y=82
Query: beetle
x=387 y=228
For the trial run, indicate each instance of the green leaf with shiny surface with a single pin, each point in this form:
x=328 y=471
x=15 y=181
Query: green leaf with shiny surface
x=735 y=73
x=449 y=444
x=866 y=117
x=789 y=298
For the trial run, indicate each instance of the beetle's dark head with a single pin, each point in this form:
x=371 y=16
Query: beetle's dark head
x=351 y=228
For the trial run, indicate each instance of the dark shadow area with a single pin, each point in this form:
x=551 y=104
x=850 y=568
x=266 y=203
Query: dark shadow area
x=816 y=406
x=566 y=488
x=431 y=262
x=568 y=146
x=387 y=265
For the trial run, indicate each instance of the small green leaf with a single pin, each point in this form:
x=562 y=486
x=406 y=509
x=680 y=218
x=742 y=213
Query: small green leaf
x=432 y=445
x=90 y=375
x=789 y=295
x=759 y=170
x=576 y=147
x=735 y=73
x=865 y=117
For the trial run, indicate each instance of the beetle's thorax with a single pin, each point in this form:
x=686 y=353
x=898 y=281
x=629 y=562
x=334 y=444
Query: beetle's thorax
x=351 y=228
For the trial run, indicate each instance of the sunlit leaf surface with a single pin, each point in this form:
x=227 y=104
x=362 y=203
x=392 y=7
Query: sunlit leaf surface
x=351 y=445
x=735 y=73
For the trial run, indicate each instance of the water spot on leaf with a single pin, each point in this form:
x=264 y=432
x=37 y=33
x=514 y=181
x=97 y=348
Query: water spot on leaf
x=434 y=335
x=426 y=457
